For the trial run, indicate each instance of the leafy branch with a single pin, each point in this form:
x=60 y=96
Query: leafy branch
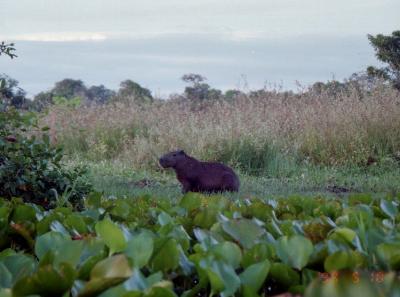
x=7 y=49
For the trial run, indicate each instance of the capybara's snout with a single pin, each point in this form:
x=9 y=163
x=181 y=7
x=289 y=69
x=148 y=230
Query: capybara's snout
x=164 y=162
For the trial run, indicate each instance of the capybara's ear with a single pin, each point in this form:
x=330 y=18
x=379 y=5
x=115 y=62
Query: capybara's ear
x=181 y=152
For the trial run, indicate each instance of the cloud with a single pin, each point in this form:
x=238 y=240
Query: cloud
x=226 y=34
x=241 y=35
x=57 y=37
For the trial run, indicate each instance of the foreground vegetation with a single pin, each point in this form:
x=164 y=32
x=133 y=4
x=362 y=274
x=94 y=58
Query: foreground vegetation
x=198 y=245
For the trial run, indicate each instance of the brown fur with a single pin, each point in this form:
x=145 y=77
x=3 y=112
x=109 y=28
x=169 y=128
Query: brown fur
x=198 y=176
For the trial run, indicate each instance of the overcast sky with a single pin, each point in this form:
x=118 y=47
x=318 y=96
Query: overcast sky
x=154 y=42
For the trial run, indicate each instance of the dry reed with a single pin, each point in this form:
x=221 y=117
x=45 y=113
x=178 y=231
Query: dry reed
x=352 y=127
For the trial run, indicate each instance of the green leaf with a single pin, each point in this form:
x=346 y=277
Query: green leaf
x=389 y=208
x=343 y=260
x=190 y=201
x=116 y=266
x=77 y=223
x=47 y=281
x=87 y=266
x=284 y=275
x=94 y=200
x=258 y=253
x=140 y=249
x=166 y=255
x=5 y=292
x=229 y=252
x=254 y=276
x=16 y=266
x=176 y=232
x=49 y=241
x=6 y=277
x=6 y=253
x=206 y=218
x=343 y=234
x=156 y=278
x=308 y=275
x=112 y=235
x=118 y=290
x=207 y=238
x=164 y=218
x=121 y=210
x=137 y=282
x=389 y=254
x=5 y=212
x=246 y=232
x=294 y=251
x=62 y=247
x=222 y=277
x=94 y=252
x=107 y=273
x=319 y=254
x=24 y=213
x=160 y=292
x=131 y=294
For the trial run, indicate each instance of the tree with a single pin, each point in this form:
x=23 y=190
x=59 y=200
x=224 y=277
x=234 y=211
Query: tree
x=199 y=91
x=64 y=90
x=11 y=94
x=70 y=88
x=332 y=88
x=30 y=167
x=99 y=94
x=231 y=95
x=132 y=90
x=193 y=78
x=387 y=50
x=7 y=49
x=73 y=90
x=42 y=100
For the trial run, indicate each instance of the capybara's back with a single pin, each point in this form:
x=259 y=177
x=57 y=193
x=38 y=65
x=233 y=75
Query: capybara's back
x=198 y=176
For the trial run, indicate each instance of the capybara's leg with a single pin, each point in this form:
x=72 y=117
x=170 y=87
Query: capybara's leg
x=229 y=183
x=186 y=187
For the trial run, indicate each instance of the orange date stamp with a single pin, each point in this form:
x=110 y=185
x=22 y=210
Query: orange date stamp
x=373 y=276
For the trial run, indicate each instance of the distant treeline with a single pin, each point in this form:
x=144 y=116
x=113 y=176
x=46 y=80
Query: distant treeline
x=74 y=92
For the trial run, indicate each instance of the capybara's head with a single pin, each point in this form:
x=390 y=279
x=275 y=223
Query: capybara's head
x=172 y=159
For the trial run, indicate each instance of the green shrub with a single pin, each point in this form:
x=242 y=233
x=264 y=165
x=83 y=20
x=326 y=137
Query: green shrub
x=31 y=168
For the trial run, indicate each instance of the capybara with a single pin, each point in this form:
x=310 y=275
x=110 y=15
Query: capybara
x=198 y=176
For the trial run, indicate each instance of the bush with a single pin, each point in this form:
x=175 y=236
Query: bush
x=31 y=168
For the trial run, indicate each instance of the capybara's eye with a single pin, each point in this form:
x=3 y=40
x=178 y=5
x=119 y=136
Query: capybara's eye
x=174 y=155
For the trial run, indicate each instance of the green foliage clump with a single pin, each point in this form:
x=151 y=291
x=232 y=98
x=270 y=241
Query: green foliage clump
x=31 y=168
x=199 y=91
x=72 y=102
x=387 y=48
x=72 y=93
x=200 y=246
x=11 y=94
x=132 y=92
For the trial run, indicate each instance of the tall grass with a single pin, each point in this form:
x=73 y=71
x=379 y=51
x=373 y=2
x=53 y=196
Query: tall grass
x=270 y=133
